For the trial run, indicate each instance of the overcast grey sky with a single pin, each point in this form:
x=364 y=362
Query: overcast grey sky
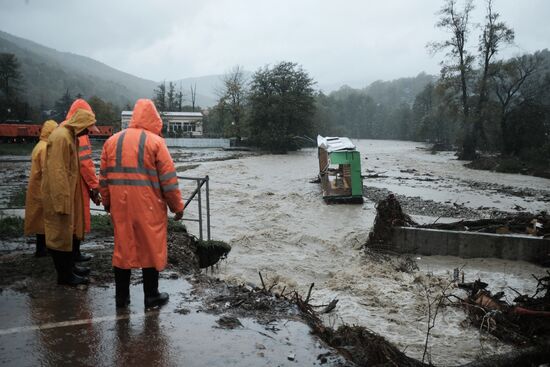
x=337 y=42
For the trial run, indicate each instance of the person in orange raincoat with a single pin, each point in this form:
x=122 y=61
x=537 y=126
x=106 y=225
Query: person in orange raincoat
x=34 y=214
x=89 y=182
x=137 y=181
x=62 y=198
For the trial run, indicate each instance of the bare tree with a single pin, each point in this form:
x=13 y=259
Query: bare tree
x=494 y=35
x=457 y=23
x=193 y=96
x=233 y=96
x=434 y=304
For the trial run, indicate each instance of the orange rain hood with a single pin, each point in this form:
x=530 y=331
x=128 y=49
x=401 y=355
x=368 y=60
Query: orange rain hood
x=78 y=104
x=146 y=117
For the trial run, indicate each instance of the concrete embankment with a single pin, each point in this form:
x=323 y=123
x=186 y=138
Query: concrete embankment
x=470 y=245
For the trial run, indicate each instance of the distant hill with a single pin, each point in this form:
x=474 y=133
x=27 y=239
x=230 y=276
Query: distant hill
x=390 y=93
x=48 y=73
x=402 y=90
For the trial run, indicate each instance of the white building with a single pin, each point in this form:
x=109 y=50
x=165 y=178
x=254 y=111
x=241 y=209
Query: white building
x=175 y=123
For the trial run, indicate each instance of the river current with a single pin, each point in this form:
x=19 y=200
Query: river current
x=278 y=224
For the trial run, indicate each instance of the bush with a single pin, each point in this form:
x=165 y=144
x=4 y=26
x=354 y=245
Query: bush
x=17 y=199
x=102 y=224
x=11 y=226
x=537 y=156
x=510 y=165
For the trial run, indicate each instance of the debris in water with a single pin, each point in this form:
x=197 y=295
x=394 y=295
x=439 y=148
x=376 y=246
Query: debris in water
x=388 y=215
x=229 y=322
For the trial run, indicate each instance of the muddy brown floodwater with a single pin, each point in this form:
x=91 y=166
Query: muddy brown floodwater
x=278 y=224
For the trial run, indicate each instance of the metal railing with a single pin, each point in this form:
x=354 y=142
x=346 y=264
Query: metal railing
x=200 y=181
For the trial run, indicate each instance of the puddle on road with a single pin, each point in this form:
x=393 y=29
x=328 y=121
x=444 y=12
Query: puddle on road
x=81 y=327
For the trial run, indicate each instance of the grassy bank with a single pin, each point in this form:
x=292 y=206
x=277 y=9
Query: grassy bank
x=102 y=224
x=12 y=226
x=16 y=148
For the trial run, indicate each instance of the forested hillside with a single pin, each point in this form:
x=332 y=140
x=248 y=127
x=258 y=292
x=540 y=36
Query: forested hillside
x=48 y=74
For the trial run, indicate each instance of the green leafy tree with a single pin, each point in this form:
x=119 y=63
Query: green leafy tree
x=63 y=104
x=171 y=97
x=180 y=97
x=159 y=97
x=105 y=112
x=11 y=83
x=282 y=106
x=10 y=76
x=514 y=91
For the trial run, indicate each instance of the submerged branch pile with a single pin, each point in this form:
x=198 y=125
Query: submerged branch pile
x=526 y=223
x=524 y=323
x=388 y=215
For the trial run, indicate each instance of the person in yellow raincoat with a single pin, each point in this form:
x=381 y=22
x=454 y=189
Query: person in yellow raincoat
x=62 y=198
x=138 y=182
x=34 y=215
x=89 y=182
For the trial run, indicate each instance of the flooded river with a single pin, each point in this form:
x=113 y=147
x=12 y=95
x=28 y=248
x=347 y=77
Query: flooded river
x=278 y=224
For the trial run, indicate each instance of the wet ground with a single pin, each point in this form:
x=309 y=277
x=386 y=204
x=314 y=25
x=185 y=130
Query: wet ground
x=53 y=326
x=277 y=224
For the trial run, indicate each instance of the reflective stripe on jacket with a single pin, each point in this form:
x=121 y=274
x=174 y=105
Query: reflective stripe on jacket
x=138 y=181
x=88 y=176
x=87 y=167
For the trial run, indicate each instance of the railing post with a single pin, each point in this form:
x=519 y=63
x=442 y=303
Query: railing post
x=199 y=182
x=207 y=208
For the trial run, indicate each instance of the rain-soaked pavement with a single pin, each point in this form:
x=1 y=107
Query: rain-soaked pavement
x=51 y=325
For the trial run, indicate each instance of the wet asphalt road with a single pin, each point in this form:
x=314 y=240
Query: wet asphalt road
x=49 y=325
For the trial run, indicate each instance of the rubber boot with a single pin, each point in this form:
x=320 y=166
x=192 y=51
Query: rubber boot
x=65 y=275
x=150 y=288
x=41 y=250
x=77 y=255
x=58 y=263
x=122 y=287
x=81 y=270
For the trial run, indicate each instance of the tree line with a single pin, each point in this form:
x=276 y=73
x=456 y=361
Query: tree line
x=15 y=108
x=478 y=103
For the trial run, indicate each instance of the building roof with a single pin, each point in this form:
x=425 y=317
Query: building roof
x=170 y=114
x=333 y=144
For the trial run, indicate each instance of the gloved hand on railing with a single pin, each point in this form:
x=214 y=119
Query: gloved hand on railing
x=95 y=196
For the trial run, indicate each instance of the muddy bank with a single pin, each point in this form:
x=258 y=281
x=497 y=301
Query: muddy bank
x=233 y=308
x=186 y=255
x=415 y=205
x=509 y=165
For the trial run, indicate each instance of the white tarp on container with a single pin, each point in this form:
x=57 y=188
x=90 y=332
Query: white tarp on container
x=333 y=144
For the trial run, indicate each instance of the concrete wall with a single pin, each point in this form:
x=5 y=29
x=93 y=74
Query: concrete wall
x=467 y=244
x=197 y=143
